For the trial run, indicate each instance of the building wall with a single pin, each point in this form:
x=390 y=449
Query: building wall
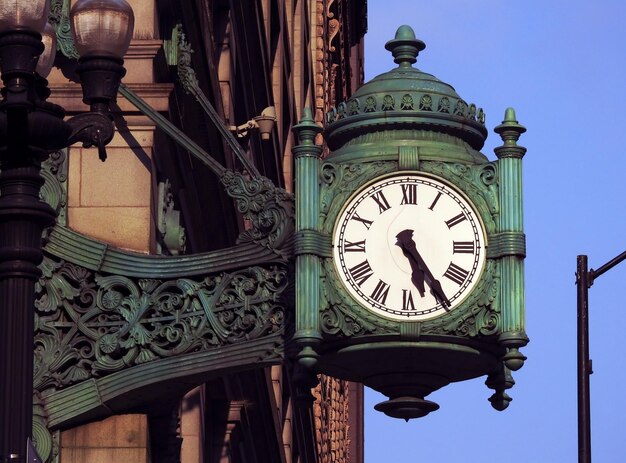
x=247 y=55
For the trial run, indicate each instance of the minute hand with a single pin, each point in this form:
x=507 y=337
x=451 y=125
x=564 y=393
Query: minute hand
x=405 y=241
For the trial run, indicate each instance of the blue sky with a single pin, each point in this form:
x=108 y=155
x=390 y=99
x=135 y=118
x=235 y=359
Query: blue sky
x=562 y=66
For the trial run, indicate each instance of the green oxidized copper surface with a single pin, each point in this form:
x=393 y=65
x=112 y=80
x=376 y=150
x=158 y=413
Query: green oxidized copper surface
x=270 y=209
x=512 y=298
x=59 y=18
x=54 y=190
x=406 y=98
x=407 y=120
x=112 y=325
x=308 y=240
x=91 y=325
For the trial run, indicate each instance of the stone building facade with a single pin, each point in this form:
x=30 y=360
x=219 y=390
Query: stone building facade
x=156 y=234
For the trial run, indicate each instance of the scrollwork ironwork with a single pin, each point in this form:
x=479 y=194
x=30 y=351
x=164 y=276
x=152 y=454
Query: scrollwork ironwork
x=270 y=210
x=186 y=74
x=54 y=190
x=338 y=315
x=339 y=181
x=91 y=325
x=59 y=17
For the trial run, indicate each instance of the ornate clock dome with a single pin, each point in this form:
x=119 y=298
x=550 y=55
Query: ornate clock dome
x=406 y=104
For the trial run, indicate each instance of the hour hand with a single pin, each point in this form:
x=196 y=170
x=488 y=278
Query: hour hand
x=405 y=241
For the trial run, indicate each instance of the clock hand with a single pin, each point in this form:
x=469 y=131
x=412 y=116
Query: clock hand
x=406 y=243
x=417 y=275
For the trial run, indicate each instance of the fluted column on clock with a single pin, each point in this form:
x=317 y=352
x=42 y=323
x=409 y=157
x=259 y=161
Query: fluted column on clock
x=511 y=232
x=308 y=241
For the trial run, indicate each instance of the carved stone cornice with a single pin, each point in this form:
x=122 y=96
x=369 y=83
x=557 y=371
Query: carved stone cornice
x=71 y=95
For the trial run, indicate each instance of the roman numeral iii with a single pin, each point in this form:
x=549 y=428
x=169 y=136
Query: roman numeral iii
x=463 y=247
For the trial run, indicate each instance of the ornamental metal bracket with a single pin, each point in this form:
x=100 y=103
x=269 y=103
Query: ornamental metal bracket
x=171 y=240
x=268 y=208
x=59 y=18
x=99 y=335
x=54 y=190
x=92 y=129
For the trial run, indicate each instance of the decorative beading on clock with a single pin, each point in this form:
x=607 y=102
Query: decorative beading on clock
x=406 y=97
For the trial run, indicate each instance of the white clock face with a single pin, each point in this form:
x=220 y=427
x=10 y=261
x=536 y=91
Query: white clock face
x=409 y=247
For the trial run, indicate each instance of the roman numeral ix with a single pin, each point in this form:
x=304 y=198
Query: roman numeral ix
x=357 y=246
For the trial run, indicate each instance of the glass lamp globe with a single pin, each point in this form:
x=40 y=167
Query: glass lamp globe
x=102 y=27
x=24 y=14
x=46 y=59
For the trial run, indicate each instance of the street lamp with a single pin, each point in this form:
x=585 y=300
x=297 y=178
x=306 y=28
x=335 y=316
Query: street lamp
x=30 y=129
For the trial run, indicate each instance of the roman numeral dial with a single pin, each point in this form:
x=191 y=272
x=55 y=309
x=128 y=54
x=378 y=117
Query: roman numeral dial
x=408 y=246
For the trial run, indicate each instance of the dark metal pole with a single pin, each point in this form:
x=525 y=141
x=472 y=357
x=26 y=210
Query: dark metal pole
x=23 y=216
x=584 y=280
x=584 y=364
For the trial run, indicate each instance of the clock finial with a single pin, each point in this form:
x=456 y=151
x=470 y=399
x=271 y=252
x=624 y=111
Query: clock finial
x=405 y=47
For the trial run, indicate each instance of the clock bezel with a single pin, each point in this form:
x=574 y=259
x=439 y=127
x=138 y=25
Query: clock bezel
x=465 y=203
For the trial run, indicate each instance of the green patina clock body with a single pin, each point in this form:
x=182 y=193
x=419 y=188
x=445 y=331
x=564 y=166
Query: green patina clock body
x=409 y=241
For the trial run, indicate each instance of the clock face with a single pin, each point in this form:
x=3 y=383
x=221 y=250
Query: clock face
x=409 y=247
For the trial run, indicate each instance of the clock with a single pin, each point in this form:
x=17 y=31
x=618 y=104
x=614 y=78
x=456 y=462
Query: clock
x=409 y=247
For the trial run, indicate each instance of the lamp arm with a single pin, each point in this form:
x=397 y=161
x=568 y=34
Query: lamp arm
x=92 y=129
x=242 y=130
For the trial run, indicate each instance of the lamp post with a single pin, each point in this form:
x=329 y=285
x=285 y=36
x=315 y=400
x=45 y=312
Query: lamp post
x=585 y=278
x=30 y=129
